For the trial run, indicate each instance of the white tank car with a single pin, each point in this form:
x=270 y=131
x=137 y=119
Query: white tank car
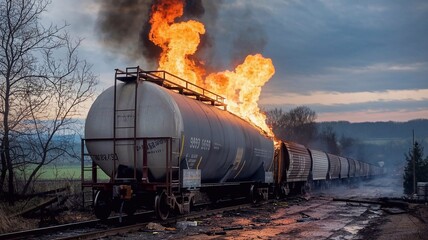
x=223 y=146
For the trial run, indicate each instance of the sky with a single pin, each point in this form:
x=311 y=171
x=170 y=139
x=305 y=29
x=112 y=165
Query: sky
x=355 y=61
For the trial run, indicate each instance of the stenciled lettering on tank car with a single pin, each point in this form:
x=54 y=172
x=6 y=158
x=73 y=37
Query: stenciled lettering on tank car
x=216 y=146
x=152 y=146
x=125 y=117
x=198 y=143
x=205 y=144
x=104 y=157
x=192 y=159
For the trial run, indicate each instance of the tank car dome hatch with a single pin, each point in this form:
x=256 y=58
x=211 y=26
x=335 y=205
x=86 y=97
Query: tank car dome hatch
x=223 y=146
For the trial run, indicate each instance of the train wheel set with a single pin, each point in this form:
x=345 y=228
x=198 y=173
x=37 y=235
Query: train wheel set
x=168 y=147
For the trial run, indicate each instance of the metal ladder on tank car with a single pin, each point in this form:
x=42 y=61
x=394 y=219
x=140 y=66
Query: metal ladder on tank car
x=171 y=185
x=134 y=75
x=172 y=182
x=88 y=176
x=132 y=113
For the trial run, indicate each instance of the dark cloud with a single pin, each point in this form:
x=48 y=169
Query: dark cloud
x=303 y=37
x=316 y=36
x=124 y=29
x=314 y=45
x=349 y=80
x=237 y=32
x=120 y=24
x=124 y=26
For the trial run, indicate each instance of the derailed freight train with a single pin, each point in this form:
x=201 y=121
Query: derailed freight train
x=168 y=145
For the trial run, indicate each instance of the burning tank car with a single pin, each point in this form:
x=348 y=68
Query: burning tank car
x=168 y=145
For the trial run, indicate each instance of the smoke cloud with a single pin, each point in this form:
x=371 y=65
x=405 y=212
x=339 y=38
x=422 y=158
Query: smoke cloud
x=122 y=24
x=123 y=27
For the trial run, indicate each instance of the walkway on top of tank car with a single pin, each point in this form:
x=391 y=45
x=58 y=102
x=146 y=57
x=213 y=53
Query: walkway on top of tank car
x=172 y=82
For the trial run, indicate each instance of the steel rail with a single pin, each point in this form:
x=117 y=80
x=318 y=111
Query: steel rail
x=46 y=230
x=138 y=227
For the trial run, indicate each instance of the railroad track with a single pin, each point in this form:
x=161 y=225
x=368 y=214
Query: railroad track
x=123 y=230
x=94 y=229
x=142 y=226
x=45 y=231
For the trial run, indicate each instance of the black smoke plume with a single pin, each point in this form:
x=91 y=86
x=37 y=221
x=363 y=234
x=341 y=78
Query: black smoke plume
x=123 y=27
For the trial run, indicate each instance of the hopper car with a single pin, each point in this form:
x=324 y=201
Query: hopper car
x=166 y=144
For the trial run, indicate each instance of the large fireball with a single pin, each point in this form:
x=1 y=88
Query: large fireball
x=179 y=41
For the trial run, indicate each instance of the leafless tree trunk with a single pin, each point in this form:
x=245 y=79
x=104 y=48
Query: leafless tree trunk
x=297 y=125
x=275 y=119
x=40 y=90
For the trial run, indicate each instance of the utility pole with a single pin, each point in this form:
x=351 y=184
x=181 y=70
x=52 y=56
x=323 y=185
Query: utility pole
x=414 y=164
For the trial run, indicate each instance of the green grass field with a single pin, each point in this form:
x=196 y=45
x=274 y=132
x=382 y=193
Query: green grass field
x=69 y=172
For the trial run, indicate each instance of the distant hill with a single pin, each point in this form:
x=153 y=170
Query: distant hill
x=375 y=141
x=382 y=141
x=379 y=130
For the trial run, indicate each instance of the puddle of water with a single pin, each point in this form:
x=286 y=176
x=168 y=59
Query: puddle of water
x=347 y=237
x=377 y=212
x=353 y=229
x=373 y=216
x=332 y=225
x=347 y=215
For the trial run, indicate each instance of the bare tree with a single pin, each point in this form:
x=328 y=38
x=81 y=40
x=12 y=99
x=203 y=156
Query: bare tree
x=275 y=119
x=329 y=141
x=42 y=85
x=300 y=124
x=297 y=125
x=348 y=145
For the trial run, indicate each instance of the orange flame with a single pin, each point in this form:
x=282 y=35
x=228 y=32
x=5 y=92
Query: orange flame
x=179 y=41
x=242 y=88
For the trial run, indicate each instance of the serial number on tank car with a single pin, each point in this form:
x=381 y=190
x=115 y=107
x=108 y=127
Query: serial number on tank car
x=197 y=143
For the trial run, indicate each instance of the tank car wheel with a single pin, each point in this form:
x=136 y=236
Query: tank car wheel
x=130 y=207
x=102 y=205
x=192 y=205
x=277 y=194
x=161 y=206
x=254 y=196
x=306 y=188
x=127 y=207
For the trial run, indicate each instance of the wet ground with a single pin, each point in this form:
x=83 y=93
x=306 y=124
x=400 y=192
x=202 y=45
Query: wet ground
x=315 y=216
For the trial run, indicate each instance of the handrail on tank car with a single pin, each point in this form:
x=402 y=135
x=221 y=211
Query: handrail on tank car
x=94 y=180
x=187 y=83
x=166 y=77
